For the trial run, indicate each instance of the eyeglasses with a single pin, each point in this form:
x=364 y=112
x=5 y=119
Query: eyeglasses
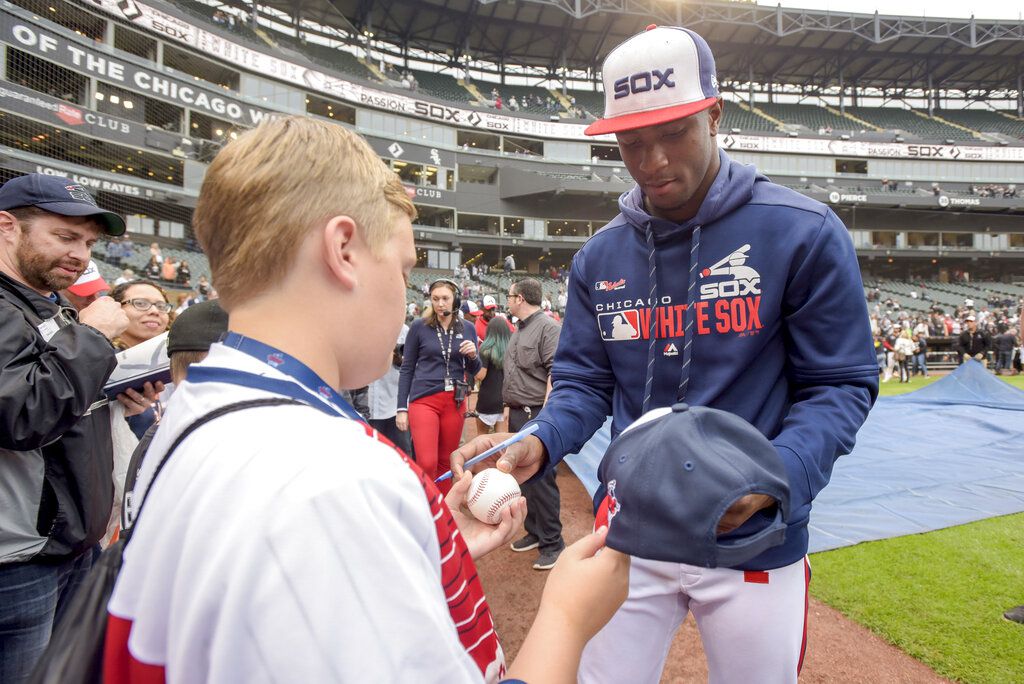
x=510 y=295
x=140 y=304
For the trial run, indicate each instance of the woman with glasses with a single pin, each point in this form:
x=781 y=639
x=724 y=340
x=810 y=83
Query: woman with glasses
x=149 y=315
x=148 y=311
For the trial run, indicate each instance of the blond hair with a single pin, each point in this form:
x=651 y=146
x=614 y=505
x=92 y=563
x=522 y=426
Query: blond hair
x=273 y=184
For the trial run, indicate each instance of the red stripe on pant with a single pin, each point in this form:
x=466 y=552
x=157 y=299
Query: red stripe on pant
x=807 y=601
x=436 y=426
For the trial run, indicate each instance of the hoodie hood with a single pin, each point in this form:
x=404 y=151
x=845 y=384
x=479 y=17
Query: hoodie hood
x=733 y=188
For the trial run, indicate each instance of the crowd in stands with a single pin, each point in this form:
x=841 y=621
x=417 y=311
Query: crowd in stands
x=225 y=20
x=993 y=190
x=988 y=332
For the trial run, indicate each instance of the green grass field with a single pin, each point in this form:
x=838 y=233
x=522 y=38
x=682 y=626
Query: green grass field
x=938 y=596
x=893 y=387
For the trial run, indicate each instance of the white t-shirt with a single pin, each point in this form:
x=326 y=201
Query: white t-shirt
x=285 y=544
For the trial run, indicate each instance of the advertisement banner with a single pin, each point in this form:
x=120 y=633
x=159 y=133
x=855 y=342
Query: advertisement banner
x=19 y=100
x=84 y=60
x=215 y=45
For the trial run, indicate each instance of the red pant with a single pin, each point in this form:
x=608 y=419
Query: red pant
x=436 y=426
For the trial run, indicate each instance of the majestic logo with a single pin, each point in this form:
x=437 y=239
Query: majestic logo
x=741 y=279
x=619 y=325
x=643 y=81
x=608 y=509
x=275 y=359
x=670 y=350
x=609 y=285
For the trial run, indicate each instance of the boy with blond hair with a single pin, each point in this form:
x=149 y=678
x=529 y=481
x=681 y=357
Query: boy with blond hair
x=293 y=543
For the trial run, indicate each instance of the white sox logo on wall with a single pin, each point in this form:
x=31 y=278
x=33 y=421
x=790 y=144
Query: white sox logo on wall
x=129 y=9
x=739 y=279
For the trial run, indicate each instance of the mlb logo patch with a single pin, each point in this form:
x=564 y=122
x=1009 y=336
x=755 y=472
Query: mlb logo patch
x=275 y=359
x=618 y=326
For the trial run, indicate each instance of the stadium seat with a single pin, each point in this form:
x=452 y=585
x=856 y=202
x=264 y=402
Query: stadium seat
x=894 y=119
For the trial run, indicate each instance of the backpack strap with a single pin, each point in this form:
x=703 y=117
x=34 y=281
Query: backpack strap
x=198 y=423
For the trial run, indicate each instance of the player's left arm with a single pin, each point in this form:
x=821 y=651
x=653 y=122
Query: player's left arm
x=831 y=363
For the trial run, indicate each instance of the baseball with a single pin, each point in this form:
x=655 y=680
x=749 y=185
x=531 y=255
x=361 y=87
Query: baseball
x=491 y=492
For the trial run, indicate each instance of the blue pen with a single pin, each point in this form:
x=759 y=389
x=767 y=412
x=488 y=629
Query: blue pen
x=522 y=434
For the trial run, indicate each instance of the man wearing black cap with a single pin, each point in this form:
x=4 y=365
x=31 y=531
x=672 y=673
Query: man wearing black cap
x=718 y=288
x=55 y=448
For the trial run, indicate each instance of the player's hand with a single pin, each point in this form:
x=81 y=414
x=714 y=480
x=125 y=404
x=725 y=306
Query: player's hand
x=522 y=459
x=587 y=585
x=402 y=420
x=135 y=403
x=468 y=349
x=480 y=537
x=979 y=357
x=967 y=357
x=105 y=315
x=740 y=512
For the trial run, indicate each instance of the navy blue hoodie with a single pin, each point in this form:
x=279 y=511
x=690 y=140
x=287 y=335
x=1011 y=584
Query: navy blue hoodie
x=783 y=338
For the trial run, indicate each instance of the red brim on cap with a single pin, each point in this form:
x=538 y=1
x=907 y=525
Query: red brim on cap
x=629 y=122
x=90 y=288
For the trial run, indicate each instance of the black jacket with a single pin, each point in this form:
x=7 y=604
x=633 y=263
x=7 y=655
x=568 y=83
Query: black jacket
x=56 y=459
x=972 y=344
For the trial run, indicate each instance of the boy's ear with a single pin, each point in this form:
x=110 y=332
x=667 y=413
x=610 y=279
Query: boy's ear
x=339 y=240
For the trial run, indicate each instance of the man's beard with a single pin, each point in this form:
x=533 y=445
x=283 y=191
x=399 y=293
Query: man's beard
x=42 y=274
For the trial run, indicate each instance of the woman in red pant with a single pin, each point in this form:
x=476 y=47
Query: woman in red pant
x=440 y=358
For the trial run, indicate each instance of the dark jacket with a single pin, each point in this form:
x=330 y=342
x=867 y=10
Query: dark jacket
x=423 y=366
x=781 y=334
x=56 y=459
x=977 y=343
x=1004 y=343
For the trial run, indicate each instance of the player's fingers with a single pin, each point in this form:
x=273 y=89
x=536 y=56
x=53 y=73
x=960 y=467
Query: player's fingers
x=509 y=458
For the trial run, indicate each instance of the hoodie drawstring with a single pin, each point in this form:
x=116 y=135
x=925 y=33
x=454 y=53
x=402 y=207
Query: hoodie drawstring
x=691 y=292
x=691 y=300
x=652 y=282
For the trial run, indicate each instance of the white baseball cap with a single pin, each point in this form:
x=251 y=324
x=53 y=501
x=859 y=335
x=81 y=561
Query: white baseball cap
x=490 y=303
x=660 y=75
x=89 y=283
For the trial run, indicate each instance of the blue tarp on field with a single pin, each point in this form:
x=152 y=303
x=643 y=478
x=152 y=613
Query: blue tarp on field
x=947 y=454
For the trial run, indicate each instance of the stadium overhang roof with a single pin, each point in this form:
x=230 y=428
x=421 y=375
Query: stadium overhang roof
x=808 y=48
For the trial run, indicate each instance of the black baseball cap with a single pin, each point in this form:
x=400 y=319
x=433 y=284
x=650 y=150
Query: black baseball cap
x=198 y=326
x=57 y=195
x=672 y=474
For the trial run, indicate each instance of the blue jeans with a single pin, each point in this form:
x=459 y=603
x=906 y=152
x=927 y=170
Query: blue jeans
x=33 y=596
x=920 y=362
x=1004 y=360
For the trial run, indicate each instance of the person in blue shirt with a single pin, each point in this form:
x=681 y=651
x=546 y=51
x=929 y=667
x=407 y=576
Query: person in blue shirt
x=439 y=363
x=716 y=287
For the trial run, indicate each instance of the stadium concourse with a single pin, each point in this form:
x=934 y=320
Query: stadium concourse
x=911 y=129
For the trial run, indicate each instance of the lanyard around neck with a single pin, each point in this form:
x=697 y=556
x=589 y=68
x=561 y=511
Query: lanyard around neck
x=303 y=383
x=446 y=352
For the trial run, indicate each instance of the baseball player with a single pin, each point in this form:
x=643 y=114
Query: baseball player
x=292 y=543
x=746 y=297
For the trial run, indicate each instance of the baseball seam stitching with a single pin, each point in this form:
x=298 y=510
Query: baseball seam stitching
x=500 y=502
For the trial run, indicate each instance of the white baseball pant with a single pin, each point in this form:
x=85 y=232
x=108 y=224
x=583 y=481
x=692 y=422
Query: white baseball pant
x=753 y=625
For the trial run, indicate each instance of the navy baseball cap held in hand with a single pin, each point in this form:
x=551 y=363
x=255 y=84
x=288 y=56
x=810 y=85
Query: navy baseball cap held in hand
x=672 y=474
x=57 y=195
